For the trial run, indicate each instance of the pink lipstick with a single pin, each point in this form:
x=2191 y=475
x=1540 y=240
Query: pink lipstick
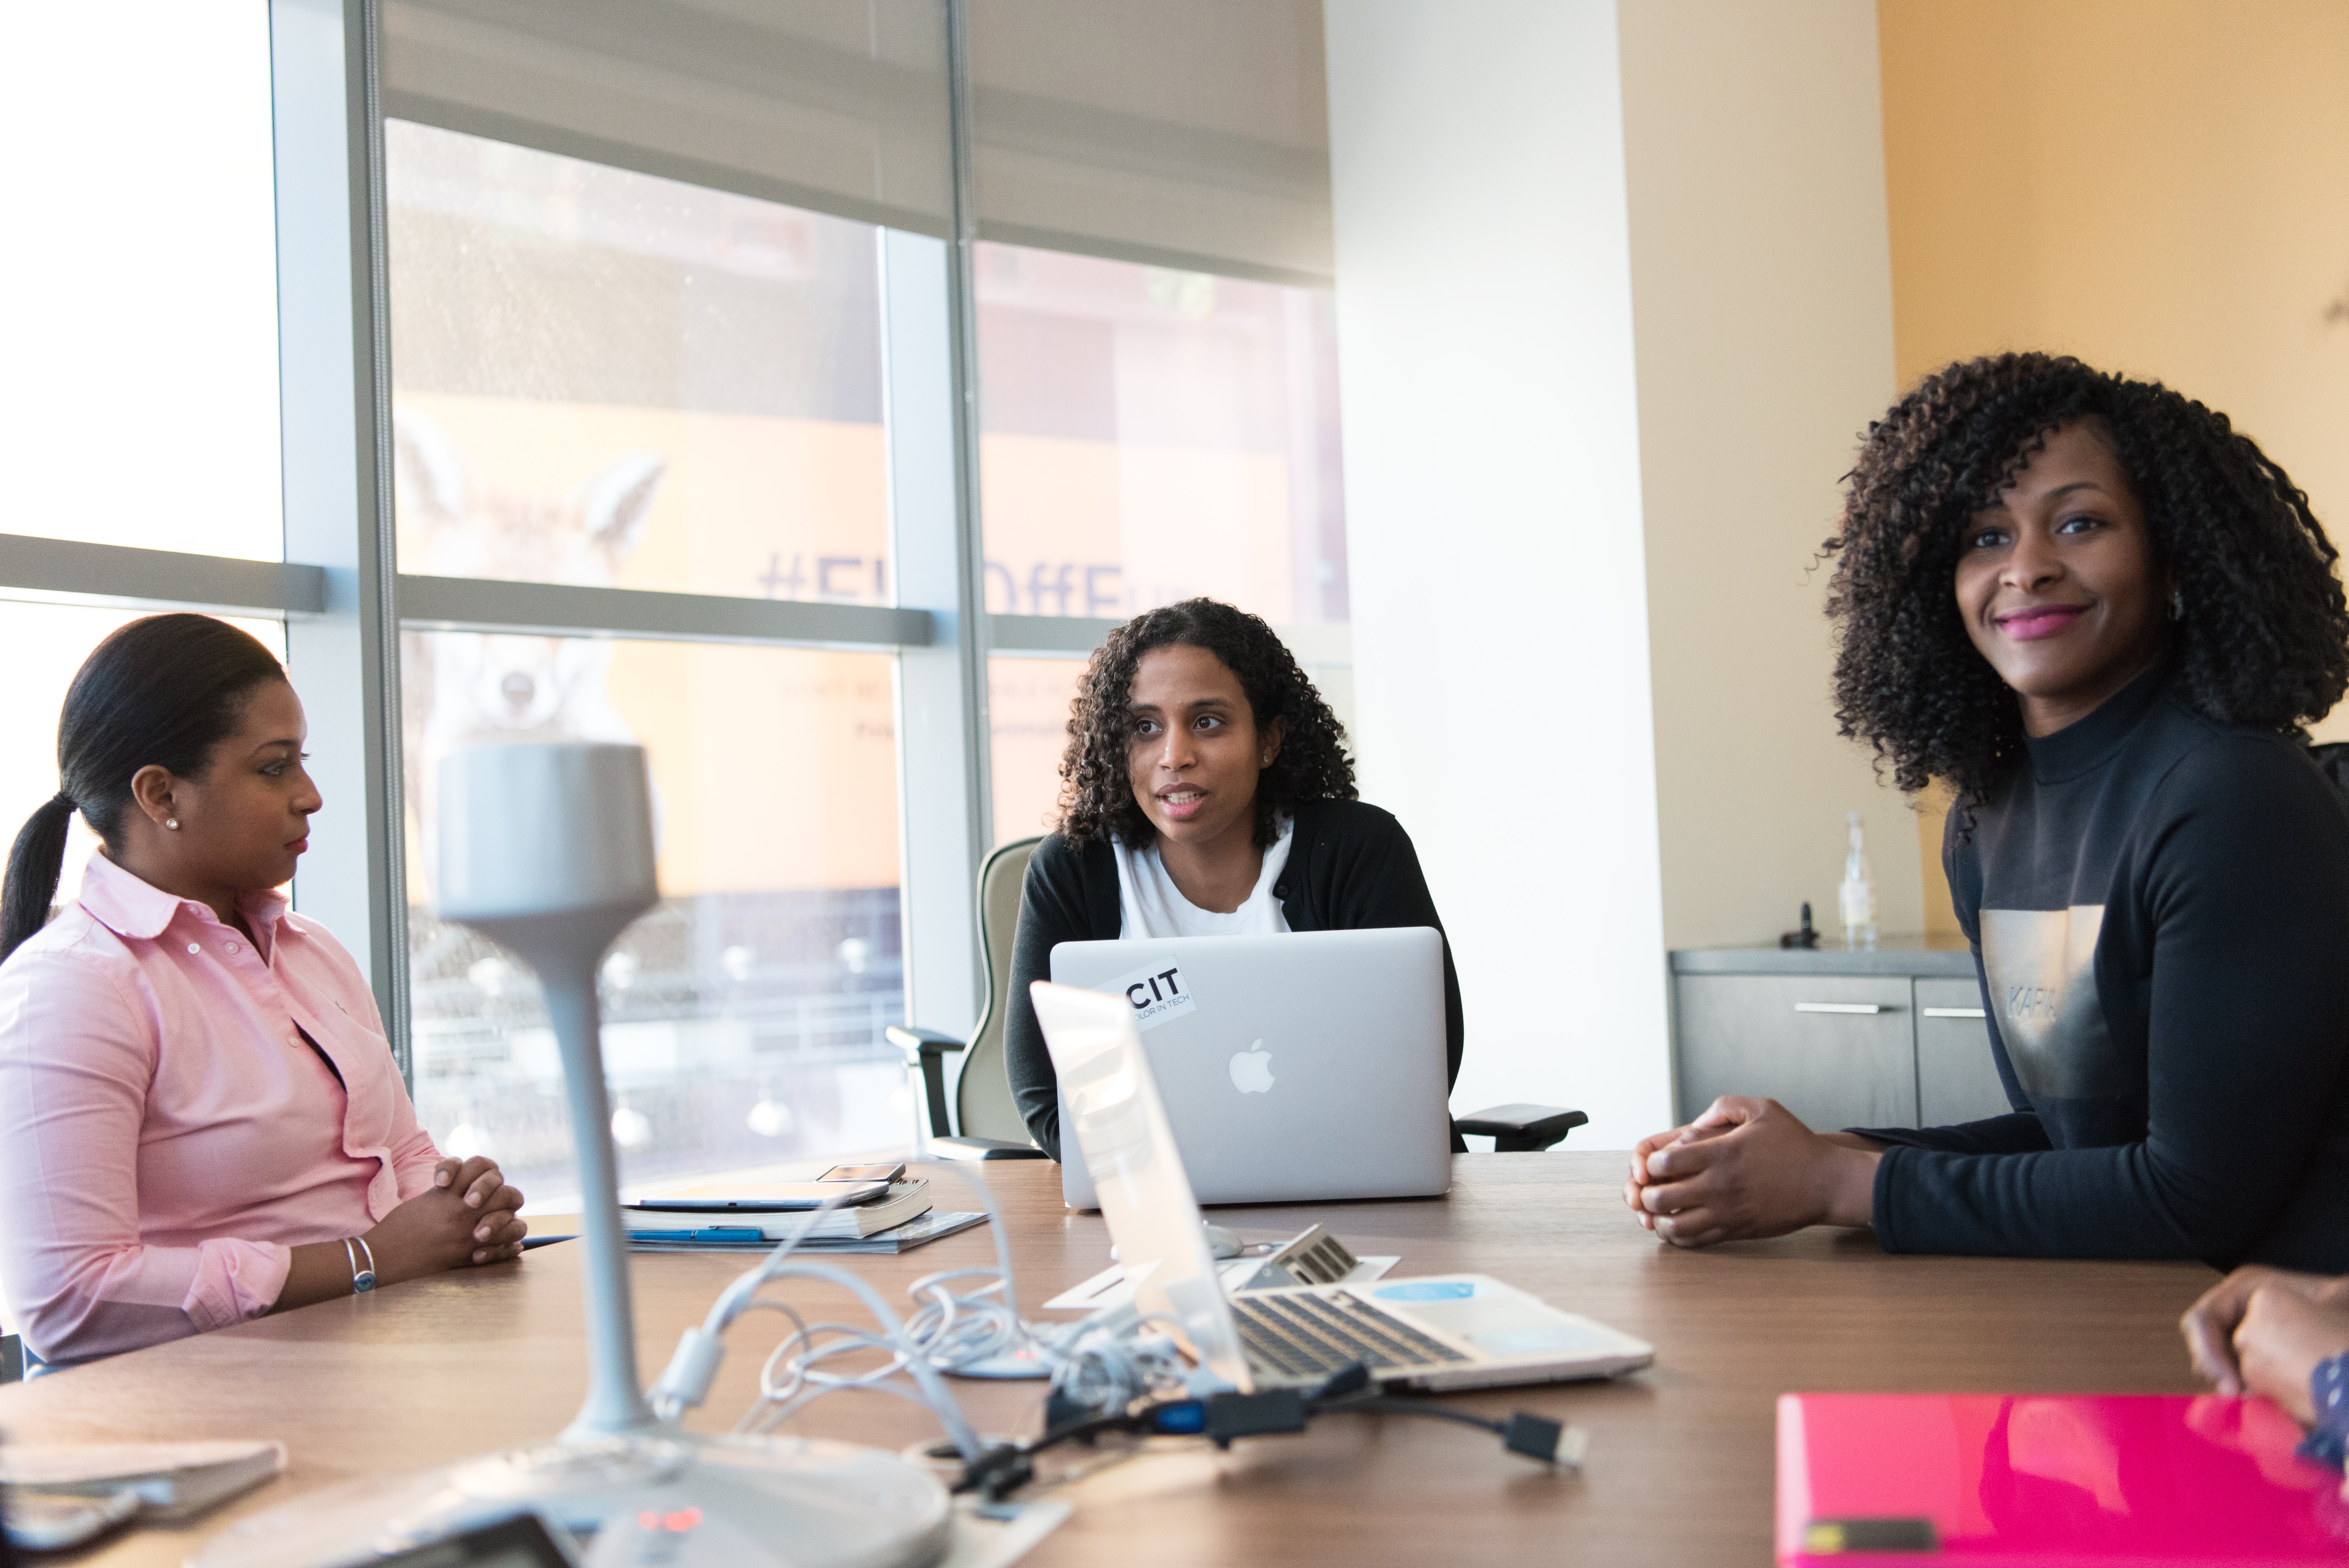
x=2039 y=621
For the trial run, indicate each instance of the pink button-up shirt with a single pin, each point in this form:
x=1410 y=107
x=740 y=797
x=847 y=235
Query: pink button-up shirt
x=166 y=1134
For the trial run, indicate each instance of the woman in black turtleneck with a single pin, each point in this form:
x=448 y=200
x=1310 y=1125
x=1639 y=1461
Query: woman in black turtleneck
x=2101 y=617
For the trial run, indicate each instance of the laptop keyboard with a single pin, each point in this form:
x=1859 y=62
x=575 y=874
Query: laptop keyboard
x=1288 y=1336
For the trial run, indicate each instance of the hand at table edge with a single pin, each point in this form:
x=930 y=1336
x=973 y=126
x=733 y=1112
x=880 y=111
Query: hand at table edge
x=2214 y=1327
x=1747 y=1169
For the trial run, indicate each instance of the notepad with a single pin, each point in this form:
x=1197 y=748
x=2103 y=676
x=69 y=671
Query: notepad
x=772 y=1213
x=1991 y=1481
x=768 y=1197
x=914 y=1232
x=173 y=1481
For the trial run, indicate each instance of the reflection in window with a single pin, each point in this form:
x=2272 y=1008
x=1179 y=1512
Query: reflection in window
x=1027 y=703
x=613 y=380
x=42 y=646
x=1150 y=435
x=743 y=1016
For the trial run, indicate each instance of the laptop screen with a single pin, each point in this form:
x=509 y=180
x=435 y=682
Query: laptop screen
x=1120 y=1130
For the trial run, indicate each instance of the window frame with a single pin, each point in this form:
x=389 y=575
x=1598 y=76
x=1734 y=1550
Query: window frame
x=344 y=603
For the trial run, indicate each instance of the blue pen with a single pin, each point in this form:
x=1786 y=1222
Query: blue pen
x=711 y=1235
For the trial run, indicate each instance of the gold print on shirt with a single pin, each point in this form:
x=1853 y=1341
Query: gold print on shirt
x=2041 y=963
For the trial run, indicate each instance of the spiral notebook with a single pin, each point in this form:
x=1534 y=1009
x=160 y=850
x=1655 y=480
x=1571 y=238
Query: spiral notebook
x=1994 y=1481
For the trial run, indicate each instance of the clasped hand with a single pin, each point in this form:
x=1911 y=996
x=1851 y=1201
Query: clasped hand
x=1749 y=1168
x=2263 y=1330
x=466 y=1217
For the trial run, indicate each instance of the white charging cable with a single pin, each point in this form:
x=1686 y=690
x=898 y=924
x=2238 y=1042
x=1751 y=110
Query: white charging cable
x=949 y=1328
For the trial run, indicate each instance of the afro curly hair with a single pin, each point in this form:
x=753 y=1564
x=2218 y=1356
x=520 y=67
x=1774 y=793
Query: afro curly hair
x=2264 y=638
x=1096 y=790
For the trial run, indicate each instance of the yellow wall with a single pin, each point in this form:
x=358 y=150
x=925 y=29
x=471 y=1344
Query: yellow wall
x=2160 y=187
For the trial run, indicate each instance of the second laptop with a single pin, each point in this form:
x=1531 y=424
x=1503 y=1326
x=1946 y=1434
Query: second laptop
x=1297 y=1068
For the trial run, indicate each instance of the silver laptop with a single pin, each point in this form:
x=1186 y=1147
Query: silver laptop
x=1444 y=1331
x=1309 y=1066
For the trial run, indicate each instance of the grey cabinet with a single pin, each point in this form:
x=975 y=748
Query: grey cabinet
x=1887 y=1036
x=1836 y=1050
x=1957 y=1075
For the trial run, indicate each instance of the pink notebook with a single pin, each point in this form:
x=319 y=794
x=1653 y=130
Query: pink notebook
x=2049 y=1480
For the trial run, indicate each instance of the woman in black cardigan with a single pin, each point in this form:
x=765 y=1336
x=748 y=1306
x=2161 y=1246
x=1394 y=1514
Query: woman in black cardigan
x=1206 y=791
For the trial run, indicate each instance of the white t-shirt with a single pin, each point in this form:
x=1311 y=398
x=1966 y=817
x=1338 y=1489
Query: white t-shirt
x=1149 y=905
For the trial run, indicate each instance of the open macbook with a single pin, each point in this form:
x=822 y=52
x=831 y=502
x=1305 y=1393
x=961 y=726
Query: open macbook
x=1302 y=1068
x=1445 y=1331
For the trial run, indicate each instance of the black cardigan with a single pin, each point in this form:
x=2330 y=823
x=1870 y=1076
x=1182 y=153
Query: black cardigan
x=1350 y=868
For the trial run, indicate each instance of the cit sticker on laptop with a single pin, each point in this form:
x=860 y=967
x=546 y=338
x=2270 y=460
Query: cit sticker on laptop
x=1158 y=994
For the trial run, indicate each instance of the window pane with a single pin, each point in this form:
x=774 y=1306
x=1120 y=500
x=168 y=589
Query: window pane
x=743 y=1016
x=613 y=380
x=42 y=646
x=1027 y=723
x=1150 y=435
x=138 y=288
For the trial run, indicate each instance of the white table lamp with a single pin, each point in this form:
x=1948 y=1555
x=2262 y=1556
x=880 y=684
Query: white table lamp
x=548 y=850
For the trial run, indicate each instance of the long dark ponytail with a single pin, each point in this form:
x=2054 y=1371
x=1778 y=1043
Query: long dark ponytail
x=161 y=691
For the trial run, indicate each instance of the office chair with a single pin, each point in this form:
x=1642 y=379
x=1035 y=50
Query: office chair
x=2332 y=760
x=984 y=1122
x=990 y=1123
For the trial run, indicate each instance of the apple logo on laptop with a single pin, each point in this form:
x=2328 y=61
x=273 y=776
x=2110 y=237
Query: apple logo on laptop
x=1252 y=1070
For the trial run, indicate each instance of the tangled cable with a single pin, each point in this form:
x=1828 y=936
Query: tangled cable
x=945 y=1332
x=1117 y=1370
x=948 y=1330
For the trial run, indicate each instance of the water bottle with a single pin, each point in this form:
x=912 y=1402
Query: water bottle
x=1856 y=896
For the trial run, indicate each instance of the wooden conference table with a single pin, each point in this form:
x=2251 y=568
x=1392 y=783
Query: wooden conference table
x=1680 y=1467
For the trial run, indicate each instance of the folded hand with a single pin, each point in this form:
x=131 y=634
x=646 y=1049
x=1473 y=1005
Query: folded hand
x=1748 y=1167
x=2248 y=1323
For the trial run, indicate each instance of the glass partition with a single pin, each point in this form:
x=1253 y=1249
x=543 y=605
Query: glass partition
x=1028 y=725
x=743 y=1016
x=138 y=285
x=1150 y=435
x=612 y=380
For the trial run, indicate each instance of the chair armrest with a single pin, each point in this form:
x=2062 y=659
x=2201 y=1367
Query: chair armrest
x=927 y=1048
x=1520 y=1128
x=982 y=1149
x=919 y=1043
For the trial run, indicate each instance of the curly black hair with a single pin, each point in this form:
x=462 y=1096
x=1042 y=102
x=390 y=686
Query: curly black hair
x=1096 y=790
x=2264 y=641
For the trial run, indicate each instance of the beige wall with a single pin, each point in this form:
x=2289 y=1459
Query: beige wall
x=1762 y=308
x=2158 y=186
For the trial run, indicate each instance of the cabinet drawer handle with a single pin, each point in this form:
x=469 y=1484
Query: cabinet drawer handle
x=1866 y=1007
x=1955 y=1013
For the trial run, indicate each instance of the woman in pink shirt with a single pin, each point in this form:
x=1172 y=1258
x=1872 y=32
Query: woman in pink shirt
x=200 y=1121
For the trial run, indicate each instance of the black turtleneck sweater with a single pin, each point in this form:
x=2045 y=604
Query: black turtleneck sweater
x=2159 y=910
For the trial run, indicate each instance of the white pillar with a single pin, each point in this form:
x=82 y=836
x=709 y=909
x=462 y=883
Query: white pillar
x=1613 y=302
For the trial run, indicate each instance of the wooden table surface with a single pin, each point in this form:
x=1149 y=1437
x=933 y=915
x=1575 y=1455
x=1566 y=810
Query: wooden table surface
x=1680 y=1467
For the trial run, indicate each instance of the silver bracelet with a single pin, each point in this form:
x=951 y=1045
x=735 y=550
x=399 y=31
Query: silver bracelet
x=362 y=1279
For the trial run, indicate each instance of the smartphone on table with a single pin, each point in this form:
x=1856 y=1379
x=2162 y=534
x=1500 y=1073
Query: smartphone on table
x=896 y=1172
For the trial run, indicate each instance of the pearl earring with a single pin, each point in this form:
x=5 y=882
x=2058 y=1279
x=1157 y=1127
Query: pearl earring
x=171 y=821
x=2178 y=603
